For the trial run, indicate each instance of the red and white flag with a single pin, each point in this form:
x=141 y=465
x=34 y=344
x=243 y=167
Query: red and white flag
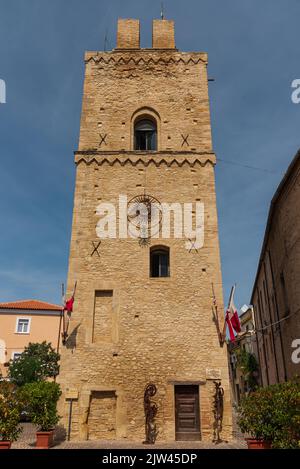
x=232 y=318
x=69 y=305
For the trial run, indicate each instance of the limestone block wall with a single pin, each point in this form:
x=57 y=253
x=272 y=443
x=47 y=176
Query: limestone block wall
x=129 y=329
x=161 y=329
x=128 y=34
x=120 y=83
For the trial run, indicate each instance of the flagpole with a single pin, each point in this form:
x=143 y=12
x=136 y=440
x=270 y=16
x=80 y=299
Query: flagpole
x=74 y=291
x=61 y=318
x=64 y=334
x=216 y=315
x=231 y=295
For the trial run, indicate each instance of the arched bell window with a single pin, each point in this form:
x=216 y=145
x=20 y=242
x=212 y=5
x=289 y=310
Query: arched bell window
x=159 y=261
x=145 y=135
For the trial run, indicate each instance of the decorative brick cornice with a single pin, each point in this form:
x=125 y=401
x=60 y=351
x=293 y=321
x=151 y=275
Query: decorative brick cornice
x=145 y=158
x=151 y=57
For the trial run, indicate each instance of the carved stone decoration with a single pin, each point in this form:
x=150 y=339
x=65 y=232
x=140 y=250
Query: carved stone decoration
x=122 y=58
x=218 y=411
x=143 y=242
x=192 y=245
x=103 y=139
x=144 y=216
x=96 y=246
x=185 y=140
x=128 y=158
x=150 y=409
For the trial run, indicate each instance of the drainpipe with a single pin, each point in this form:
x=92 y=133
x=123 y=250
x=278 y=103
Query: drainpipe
x=256 y=340
x=277 y=314
x=270 y=319
x=263 y=338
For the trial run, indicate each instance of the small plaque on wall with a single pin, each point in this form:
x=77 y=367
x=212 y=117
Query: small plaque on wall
x=213 y=373
x=71 y=394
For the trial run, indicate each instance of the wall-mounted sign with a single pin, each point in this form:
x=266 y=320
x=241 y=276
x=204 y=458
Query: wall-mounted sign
x=213 y=373
x=72 y=394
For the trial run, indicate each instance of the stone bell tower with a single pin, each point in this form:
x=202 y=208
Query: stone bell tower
x=143 y=303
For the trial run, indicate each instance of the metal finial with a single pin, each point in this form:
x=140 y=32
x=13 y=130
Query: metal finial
x=162 y=13
x=105 y=41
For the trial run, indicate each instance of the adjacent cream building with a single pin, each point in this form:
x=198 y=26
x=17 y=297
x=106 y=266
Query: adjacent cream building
x=26 y=321
x=143 y=305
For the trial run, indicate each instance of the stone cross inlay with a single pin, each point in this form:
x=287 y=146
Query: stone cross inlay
x=103 y=139
x=96 y=246
x=193 y=245
x=185 y=140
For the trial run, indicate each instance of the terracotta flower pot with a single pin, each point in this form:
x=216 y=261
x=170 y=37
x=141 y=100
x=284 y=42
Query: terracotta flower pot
x=258 y=443
x=44 y=440
x=5 y=444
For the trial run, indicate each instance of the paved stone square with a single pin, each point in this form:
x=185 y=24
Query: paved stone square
x=27 y=441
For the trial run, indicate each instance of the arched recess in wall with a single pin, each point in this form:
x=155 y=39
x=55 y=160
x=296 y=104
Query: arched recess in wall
x=145 y=130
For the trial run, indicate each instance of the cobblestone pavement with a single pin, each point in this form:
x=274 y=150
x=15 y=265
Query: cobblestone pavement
x=27 y=441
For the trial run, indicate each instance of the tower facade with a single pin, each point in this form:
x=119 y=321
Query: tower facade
x=143 y=303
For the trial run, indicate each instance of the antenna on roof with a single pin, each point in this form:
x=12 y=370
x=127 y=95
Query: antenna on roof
x=162 y=13
x=105 y=41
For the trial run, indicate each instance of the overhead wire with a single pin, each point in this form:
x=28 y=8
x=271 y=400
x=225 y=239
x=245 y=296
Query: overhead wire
x=256 y=168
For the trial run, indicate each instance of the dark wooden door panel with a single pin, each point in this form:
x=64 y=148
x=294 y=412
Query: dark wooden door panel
x=186 y=424
x=187 y=419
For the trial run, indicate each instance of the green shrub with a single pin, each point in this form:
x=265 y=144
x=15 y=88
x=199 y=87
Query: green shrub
x=42 y=398
x=273 y=413
x=38 y=362
x=248 y=365
x=10 y=408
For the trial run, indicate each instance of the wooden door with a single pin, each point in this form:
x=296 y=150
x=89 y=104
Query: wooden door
x=187 y=420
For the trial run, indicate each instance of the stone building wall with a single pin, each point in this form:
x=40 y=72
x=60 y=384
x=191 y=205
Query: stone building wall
x=171 y=84
x=276 y=293
x=156 y=330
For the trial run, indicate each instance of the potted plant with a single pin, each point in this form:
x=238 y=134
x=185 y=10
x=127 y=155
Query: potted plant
x=42 y=398
x=270 y=416
x=255 y=419
x=10 y=409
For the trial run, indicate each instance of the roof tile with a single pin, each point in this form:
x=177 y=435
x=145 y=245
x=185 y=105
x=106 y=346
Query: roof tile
x=31 y=305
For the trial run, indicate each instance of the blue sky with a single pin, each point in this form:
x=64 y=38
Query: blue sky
x=254 y=55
